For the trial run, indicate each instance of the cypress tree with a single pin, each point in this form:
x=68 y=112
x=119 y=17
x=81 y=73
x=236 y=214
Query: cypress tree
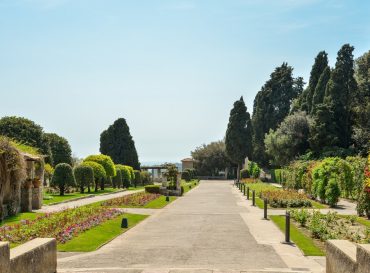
x=271 y=105
x=237 y=138
x=117 y=142
x=339 y=92
x=319 y=93
x=320 y=64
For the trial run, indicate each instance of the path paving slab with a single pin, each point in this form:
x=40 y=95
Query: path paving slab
x=206 y=230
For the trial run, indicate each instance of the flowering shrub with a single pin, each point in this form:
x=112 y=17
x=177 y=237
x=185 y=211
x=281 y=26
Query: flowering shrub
x=132 y=200
x=286 y=198
x=62 y=225
x=331 y=226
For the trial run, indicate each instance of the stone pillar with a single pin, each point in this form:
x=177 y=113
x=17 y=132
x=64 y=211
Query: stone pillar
x=26 y=199
x=4 y=257
x=36 y=198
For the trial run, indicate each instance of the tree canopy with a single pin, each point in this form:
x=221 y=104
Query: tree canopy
x=60 y=149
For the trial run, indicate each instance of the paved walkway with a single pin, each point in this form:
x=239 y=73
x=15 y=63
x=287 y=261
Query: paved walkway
x=208 y=230
x=83 y=202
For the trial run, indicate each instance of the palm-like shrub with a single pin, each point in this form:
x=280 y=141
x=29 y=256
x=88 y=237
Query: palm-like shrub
x=99 y=172
x=84 y=176
x=63 y=177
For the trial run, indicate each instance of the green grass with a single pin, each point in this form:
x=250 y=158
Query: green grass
x=25 y=148
x=363 y=221
x=56 y=198
x=159 y=203
x=21 y=216
x=98 y=236
x=305 y=243
x=187 y=185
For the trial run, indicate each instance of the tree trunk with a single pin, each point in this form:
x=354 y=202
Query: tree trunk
x=96 y=186
x=102 y=184
x=88 y=189
x=61 y=190
x=82 y=189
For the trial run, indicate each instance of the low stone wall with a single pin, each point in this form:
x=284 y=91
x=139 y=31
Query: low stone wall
x=36 y=256
x=343 y=257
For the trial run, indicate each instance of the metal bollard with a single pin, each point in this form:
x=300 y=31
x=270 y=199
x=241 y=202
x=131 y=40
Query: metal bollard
x=124 y=223
x=287 y=227
x=247 y=193
x=167 y=198
x=253 y=198
x=244 y=189
x=265 y=208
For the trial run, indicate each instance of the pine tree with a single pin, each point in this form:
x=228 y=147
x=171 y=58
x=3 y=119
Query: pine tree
x=320 y=64
x=117 y=142
x=339 y=92
x=237 y=138
x=271 y=105
x=319 y=93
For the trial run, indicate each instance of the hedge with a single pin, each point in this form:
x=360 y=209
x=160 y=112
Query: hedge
x=152 y=189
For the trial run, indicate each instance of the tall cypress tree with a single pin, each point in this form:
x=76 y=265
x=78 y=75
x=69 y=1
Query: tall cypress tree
x=339 y=92
x=320 y=64
x=271 y=105
x=238 y=133
x=319 y=94
x=117 y=142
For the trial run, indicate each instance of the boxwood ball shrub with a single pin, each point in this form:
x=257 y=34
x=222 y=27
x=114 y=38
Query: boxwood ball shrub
x=84 y=176
x=99 y=172
x=152 y=189
x=63 y=177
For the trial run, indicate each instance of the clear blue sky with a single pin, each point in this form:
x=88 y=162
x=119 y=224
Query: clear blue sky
x=172 y=68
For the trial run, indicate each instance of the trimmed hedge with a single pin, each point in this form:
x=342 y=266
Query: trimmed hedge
x=152 y=189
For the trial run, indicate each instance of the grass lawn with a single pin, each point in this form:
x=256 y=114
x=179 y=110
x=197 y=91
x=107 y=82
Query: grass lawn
x=56 y=198
x=189 y=184
x=363 y=221
x=305 y=243
x=21 y=216
x=159 y=203
x=100 y=235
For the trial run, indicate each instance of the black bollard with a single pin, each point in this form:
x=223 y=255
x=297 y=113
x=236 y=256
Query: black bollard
x=287 y=227
x=265 y=208
x=167 y=198
x=244 y=189
x=247 y=193
x=253 y=198
x=124 y=223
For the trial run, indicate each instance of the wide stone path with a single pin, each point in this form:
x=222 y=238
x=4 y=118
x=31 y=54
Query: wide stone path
x=200 y=232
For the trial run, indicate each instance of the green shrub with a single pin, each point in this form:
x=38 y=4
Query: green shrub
x=357 y=165
x=117 y=180
x=186 y=175
x=145 y=177
x=84 y=176
x=63 y=177
x=152 y=189
x=332 y=192
x=137 y=178
x=301 y=216
x=127 y=175
x=99 y=172
x=253 y=169
x=331 y=167
x=244 y=173
x=105 y=161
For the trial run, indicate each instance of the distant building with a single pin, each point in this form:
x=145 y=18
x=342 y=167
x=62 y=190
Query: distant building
x=187 y=163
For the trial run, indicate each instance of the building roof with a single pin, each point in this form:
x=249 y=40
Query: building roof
x=189 y=159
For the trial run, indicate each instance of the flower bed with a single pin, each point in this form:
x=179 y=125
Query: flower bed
x=331 y=226
x=62 y=225
x=286 y=199
x=132 y=200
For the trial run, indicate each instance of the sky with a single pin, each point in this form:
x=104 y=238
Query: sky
x=172 y=69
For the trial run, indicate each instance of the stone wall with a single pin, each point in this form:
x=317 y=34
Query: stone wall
x=36 y=256
x=36 y=198
x=343 y=257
